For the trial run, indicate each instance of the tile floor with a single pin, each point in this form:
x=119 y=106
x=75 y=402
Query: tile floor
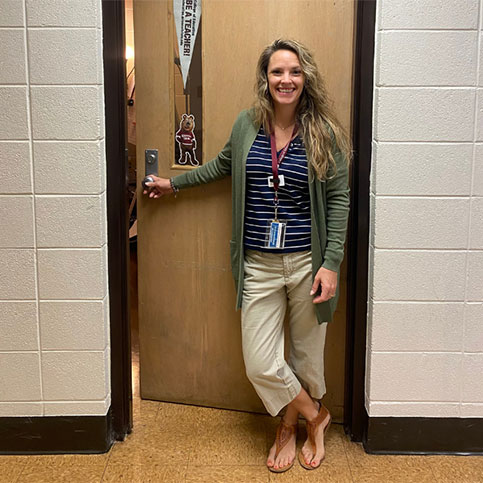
x=176 y=443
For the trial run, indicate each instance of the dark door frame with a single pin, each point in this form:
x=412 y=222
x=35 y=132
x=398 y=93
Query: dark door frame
x=117 y=216
x=355 y=416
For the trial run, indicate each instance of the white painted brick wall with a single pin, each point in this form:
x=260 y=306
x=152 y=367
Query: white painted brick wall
x=425 y=313
x=54 y=334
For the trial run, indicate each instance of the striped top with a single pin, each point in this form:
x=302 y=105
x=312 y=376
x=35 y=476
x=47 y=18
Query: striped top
x=294 y=200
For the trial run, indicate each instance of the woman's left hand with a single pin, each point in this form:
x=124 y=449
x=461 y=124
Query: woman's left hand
x=327 y=279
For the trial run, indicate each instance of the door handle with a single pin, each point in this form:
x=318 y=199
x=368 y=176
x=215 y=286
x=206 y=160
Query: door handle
x=150 y=162
x=150 y=166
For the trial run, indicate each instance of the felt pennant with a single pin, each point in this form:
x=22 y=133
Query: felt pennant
x=187 y=15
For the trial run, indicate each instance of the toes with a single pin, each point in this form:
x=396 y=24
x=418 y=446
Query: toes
x=307 y=455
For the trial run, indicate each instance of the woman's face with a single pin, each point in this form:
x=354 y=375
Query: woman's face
x=285 y=78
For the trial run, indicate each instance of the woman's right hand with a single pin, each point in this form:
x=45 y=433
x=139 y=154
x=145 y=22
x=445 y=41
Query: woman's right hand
x=158 y=188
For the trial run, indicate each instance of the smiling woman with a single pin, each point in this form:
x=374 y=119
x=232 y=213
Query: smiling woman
x=288 y=158
x=285 y=81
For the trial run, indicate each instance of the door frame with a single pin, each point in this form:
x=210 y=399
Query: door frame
x=355 y=415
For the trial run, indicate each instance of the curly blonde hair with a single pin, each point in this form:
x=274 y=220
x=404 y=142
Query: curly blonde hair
x=318 y=125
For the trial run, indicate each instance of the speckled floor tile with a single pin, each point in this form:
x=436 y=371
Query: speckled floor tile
x=229 y=438
x=227 y=474
x=393 y=468
x=467 y=469
x=327 y=472
x=144 y=473
x=168 y=442
x=61 y=473
x=144 y=411
x=11 y=467
x=72 y=459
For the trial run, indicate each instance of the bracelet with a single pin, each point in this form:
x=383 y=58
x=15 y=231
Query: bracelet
x=173 y=187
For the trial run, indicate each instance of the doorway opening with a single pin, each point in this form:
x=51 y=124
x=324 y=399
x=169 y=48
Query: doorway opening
x=355 y=338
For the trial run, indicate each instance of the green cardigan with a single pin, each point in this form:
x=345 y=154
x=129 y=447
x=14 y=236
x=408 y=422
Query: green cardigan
x=329 y=201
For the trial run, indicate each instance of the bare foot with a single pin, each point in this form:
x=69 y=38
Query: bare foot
x=310 y=458
x=287 y=454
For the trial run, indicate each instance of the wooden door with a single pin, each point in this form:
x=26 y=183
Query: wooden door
x=190 y=343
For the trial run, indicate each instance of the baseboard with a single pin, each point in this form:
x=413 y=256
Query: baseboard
x=56 y=434
x=424 y=436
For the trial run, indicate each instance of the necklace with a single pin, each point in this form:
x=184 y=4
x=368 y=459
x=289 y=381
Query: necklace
x=284 y=128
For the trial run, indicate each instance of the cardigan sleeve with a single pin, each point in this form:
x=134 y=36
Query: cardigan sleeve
x=337 y=211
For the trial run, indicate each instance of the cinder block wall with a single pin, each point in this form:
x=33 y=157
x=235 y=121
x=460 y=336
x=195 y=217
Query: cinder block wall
x=425 y=337
x=54 y=347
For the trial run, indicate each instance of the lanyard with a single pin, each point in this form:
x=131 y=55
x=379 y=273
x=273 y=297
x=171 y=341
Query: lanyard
x=277 y=161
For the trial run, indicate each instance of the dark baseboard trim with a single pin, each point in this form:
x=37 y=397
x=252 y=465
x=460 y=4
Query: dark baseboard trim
x=424 y=436
x=56 y=434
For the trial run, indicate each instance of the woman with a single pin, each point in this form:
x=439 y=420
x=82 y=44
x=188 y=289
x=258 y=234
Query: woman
x=288 y=158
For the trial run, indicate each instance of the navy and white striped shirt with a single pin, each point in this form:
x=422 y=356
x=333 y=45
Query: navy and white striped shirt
x=294 y=201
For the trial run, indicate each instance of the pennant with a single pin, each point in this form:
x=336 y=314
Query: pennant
x=187 y=19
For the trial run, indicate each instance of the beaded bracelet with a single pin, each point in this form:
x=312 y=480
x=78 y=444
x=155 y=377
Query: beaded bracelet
x=173 y=187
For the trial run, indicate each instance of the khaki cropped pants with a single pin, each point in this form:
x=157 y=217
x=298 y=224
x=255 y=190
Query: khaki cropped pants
x=274 y=282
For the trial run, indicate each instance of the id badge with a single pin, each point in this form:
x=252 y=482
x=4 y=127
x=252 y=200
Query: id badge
x=275 y=236
x=281 y=181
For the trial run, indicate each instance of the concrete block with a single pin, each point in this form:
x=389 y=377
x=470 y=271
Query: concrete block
x=479 y=121
x=419 y=275
x=473 y=336
x=12 y=409
x=478 y=174
x=69 y=168
x=73 y=376
x=103 y=220
x=373 y=177
x=17 y=275
x=414 y=409
x=64 y=56
x=72 y=325
x=372 y=217
x=424 y=169
x=421 y=222
x=413 y=376
x=80 y=408
x=11 y=13
x=107 y=370
x=476 y=234
x=429 y=14
x=474 y=291
x=422 y=62
x=438 y=114
x=16 y=168
x=12 y=56
x=107 y=329
x=16 y=213
x=102 y=165
x=19 y=376
x=63 y=13
x=417 y=327
x=18 y=326
x=71 y=274
x=472 y=382
x=370 y=270
x=480 y=72
x=69 y=222
x=472 y=410
x=13 y=100
x=66 y=113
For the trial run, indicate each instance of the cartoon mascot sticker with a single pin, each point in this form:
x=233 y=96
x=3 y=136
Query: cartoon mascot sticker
x=187 y=140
